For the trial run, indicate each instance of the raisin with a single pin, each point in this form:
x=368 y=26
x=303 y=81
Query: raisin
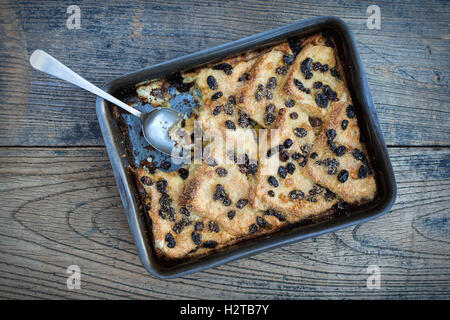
x=342 y=176
x=184 y=211
x=161 y=185
x=296 y=155
x=231 y=214
x=270 y=108
x=252 y=168
x=332 y=170
x=303 y=162
x=269 y=119
x=324 y=68
x=289 y=103
x=271 y=193
x=244 y=77
x=258 y=96
x=350 y=111
x=316 y=66
x=241 y=203
x=359 y=155
x=315 y=122
x=290 y=167
x=329 y=93
x=288 y=59
x=260 y=88
x=340 y=151
x=212 y=82
x=287 y=143
x=272 y=151
x=271 y=83
x=253 y=228
x=217 y=110
x=284 y=156
x=363 y=171
x=344 y=124
x=329 y=195
x=308 y=76
x=282 y=172
x=293 y=115
x=230 y=125
x=281 y=70
x=243 y=121
x=313 y=155
x=300 y=132
x=306 y=148
x=165 y=165
x=225 y=67
x=162 y=213
x=261 y=222
x=227 y=202
x=170 y=241
x=317 y=85
x=220 y=192
x=316 y=190
x=222 y=172
x=296 y=195
x=198 y=226
x=178 y=227
x=147 y=180
x=334 y=72
x=307 y=65
x=171 y=213
x=321 y=100
x=213 y=226
x=276 y=214
x=331 y=145
x=330 y=162
x=196 y=238
x=331 y=134
x=216 y=95
x=273 y=181
x=232 y=100
x=165 y=200
x=210 y=244
x=299 y=85
x=268 y=94
x=184 y=173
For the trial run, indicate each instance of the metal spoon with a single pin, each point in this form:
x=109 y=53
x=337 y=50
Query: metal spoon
x=155 y=124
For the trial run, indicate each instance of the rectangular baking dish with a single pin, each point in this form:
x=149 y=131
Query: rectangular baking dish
x=367 y=119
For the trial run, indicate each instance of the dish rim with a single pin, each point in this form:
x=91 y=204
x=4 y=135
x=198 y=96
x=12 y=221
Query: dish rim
x=125 y=182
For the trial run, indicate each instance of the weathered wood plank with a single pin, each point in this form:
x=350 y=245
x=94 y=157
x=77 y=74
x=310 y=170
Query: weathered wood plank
x=61 y=207
x=407 y=61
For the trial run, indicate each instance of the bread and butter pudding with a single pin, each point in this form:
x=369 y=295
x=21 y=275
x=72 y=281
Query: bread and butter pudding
x=314 y=164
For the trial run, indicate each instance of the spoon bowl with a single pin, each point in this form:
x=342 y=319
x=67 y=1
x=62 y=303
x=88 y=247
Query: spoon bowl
x=155 y=127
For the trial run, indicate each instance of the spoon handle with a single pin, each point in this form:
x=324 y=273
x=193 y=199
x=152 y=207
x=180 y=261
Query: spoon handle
x=44 y=62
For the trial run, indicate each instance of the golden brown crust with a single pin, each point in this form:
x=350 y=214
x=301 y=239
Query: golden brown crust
x=312 y=143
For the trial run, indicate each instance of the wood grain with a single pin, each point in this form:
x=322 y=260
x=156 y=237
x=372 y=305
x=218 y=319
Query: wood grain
x=60 y=206
x=407 y=61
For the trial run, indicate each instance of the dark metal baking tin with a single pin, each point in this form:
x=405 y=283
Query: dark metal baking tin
x=367 y=118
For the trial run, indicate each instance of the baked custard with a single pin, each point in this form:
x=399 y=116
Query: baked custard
x=294 y=95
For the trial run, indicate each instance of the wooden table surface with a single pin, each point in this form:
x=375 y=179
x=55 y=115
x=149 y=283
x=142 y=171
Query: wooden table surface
x=59 y=202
